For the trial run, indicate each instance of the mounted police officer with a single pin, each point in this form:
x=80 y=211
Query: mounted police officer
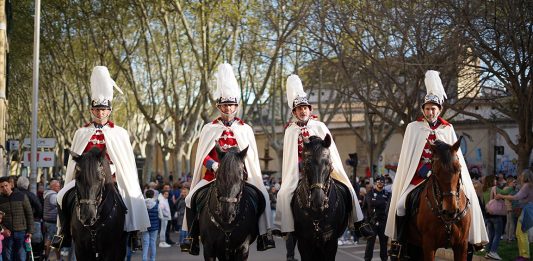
x=376 y=207
x=228 y=131
x=414 y=167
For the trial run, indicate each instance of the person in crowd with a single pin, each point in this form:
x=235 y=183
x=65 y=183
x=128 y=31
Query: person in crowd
x=272 y=193
x=50 y=216
x=166 y=187
x=104 y=134
x=494 y=222
x=150 y=235
x=164 y=217
x=180 y=211
x=375 y=206
x=175 y=194
x=510 y=225
x=298 y=130
x=525 y=220
x=18 y=224
x=2 y=231
x=23 y=184
x=414 y=167
x=227 y=131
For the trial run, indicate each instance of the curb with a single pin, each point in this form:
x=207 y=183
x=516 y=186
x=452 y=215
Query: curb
x=448 y=255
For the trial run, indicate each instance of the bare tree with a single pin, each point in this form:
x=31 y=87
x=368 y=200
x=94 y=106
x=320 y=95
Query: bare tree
x=499 y=34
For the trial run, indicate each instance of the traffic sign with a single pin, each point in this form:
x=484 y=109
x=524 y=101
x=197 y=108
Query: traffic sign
x=12 y=145
x=44 y=159
x=41 y=142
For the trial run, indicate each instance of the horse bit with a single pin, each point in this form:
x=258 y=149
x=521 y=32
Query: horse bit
x=439 y=211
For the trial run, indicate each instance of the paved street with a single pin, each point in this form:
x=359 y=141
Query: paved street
x=344 y=253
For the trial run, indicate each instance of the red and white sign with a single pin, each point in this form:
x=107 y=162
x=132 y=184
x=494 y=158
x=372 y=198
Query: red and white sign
x=44 y=159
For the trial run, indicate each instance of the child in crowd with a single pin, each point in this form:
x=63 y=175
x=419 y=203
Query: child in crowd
x=150 y=236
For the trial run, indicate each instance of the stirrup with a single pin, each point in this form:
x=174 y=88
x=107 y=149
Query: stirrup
x=57 y=241
x=395 y=249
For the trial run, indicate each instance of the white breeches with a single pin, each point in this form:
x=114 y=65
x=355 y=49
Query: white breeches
x=264 y=220
x=400 y=205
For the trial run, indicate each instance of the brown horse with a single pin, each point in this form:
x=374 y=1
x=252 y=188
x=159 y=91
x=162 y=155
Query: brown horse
x=444 y=217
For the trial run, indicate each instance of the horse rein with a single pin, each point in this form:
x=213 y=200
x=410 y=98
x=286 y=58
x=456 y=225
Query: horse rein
x=438 y=197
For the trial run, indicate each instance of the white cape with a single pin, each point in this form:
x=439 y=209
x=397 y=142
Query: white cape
x=413 y=144
x=121 y=154
x=290 y=175
x=244 y=135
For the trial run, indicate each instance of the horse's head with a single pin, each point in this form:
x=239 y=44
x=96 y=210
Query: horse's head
x=91 y=173
x=317 y=168
x=446 y=170
x=229 y=182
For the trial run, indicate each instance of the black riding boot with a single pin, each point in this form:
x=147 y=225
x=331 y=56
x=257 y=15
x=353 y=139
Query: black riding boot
x=193 y=241
x=63 y=237
x=265 y=241
x=397 y=250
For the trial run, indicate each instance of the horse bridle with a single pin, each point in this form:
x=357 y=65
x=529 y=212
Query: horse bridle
x=96 y=202
x=324 y=186
x=438 y=198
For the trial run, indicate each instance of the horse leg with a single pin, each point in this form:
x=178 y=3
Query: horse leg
x=429 y=254
x=460 y=252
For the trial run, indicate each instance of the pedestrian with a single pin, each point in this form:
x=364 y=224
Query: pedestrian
x=18 y=223
x=37 y=242
x=2 y=232
x=525 y=220
x=180 y=211
x=169 y=200
x=272 y=194
x=104 y=134
x=411 y=173
x=164 y=217
x=150 y=235
x=227 y=131
x=494 y=222
x=50 y=216
x=376 y=207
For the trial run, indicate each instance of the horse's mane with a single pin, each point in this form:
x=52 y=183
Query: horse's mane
x=315 y=146
x=230 y=173
x=88 y=161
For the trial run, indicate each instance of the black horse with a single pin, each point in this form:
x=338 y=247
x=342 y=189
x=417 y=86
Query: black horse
x=98 y=212
x=229 y=210
x=320 y=205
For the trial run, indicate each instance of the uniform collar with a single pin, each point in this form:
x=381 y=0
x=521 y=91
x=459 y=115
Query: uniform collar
x=440 y=120
x=98 y=126
x=228 y=123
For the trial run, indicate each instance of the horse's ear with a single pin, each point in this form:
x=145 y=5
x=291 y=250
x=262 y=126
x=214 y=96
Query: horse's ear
x=242 y=153
x=74 y=155
x=219 y=150
x=327 y=141
x=457 y=144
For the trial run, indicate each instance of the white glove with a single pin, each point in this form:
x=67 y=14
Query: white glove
x=214 y=166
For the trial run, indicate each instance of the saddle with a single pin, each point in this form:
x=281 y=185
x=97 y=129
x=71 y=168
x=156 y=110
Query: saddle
x=413 y=199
